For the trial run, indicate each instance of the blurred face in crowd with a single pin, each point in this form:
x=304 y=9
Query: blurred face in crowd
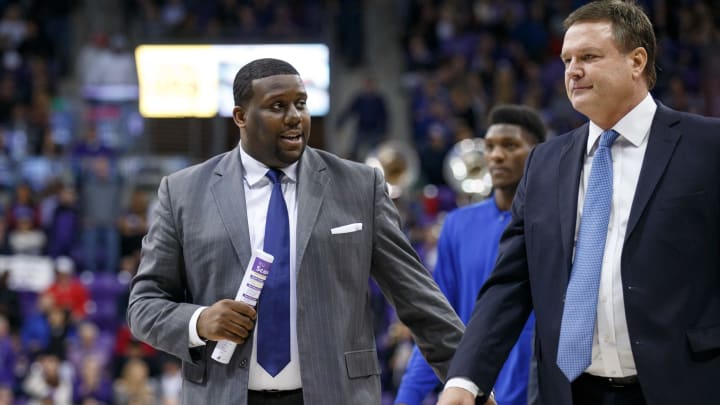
x=602 y=82
x=135 y=370
x=45 y=303
x=507 y=147
x=23 y=194
x=51 y=366
x=275 y=123
x=138 y=202
x=6 y=395
x=91 y=370
x=67 y=196
x=56 y=317
x=101 y=167
x=88 y=333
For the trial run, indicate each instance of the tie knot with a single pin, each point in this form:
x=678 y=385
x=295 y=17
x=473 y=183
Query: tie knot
x=608 y=137
x=274 y=175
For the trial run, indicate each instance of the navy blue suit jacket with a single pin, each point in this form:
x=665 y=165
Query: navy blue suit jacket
x=670 y=265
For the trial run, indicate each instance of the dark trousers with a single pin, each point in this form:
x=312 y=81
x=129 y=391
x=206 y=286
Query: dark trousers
x=294 y=397
x=590 y=390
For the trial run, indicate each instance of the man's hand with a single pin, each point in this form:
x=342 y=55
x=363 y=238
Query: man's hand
x=459 y=396
x=226 y=320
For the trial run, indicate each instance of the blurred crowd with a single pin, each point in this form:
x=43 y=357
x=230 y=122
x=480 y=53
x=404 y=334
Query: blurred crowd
x=464 y=57
x=64 y=194
x=226 y=20
x=63 y=197
x=33 y=40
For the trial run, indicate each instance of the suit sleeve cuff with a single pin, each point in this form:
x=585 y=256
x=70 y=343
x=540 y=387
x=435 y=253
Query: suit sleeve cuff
x=194 y=338
x=464 y=383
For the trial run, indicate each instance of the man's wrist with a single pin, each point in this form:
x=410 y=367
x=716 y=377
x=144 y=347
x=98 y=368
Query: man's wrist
x=194 y=339
x=464 y=383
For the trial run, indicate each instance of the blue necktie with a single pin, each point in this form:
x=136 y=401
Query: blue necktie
x=580 y=311
x=273 y=322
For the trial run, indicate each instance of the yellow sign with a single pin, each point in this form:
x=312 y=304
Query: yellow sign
x=177 y=81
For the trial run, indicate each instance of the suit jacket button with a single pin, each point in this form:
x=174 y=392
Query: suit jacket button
x=243 y=363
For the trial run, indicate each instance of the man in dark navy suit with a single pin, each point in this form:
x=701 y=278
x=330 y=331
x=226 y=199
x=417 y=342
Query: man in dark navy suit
x=645 y=263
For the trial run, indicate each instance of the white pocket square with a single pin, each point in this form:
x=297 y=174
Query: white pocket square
x=347 y=228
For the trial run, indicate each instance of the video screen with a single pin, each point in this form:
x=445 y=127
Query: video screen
x=196 y=80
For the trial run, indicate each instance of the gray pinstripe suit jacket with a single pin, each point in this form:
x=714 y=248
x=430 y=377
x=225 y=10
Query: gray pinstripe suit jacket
x=198 y=247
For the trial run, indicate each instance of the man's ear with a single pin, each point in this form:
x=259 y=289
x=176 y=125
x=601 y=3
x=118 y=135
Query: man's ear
x=239 y=116
x=638 y=60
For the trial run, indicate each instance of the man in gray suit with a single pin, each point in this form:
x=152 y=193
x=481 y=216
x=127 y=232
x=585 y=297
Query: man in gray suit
x=343 y=228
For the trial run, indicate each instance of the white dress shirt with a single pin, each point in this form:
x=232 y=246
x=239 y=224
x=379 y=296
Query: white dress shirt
x=611 y=351
x=257 y=197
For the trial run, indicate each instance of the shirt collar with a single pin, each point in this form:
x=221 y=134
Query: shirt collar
x=634 y=126
x=254 y=170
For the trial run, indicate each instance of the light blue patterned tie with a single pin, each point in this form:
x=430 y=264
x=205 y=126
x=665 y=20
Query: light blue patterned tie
x=273 y=322
x=580 y=311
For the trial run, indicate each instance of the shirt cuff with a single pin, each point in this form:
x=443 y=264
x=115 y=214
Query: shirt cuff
x=195 y=339
x=464 y=383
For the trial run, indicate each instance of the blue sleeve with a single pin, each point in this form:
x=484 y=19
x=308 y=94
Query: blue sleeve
x=444 y=273
x=418 y=380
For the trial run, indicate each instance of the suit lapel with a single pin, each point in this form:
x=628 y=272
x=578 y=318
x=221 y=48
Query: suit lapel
x=661 y=144
x=570 y=169
x=312 y=181
x=229 y=194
